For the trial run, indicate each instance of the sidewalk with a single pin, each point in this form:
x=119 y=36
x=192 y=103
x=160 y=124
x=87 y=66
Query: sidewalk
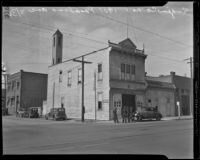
x=176 y=118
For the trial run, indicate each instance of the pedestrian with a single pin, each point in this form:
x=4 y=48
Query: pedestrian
x=156 y=108
x=128 y=114
x=122 y=113
x=131 y=114
x=125 y=113
x=115 y=118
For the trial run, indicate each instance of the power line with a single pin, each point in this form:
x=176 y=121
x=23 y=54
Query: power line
x=144 y=30
x=84 y=37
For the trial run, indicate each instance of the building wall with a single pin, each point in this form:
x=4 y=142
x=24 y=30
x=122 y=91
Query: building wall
x=163 y=98
x=135 y=86
x=13 y=92
x=116 y=97
x=33 y=89
x=72 y=94
x=117 y=58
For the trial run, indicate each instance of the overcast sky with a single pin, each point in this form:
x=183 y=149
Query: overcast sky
x=27 y=35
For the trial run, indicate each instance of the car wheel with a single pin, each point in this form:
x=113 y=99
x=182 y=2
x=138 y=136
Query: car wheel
x=139 y=118
x=158 y=118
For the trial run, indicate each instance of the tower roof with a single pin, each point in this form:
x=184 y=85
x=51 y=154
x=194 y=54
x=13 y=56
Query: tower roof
x=127 y=43
x=57 y=32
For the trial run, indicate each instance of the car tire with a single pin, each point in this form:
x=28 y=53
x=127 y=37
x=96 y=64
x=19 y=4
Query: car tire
x=139 y=118
x=158 y=118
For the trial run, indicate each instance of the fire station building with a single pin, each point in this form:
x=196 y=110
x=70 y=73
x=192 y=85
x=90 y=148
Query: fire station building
x=115 y=78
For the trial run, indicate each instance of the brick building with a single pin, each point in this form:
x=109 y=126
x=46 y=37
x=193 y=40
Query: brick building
x=183 y=91
x=24 y=90
x=116 y=77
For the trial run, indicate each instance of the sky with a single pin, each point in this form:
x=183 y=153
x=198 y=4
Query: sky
x=167 y=37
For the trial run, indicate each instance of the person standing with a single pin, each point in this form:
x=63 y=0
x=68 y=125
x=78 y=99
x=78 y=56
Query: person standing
x=128 y=114
x=115 y=118
x=122 y=113
x=125 y=114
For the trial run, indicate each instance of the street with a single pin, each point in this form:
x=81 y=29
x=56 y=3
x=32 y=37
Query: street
x=173 y=138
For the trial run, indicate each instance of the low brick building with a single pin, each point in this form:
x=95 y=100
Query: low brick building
x=183 y=91
x=25 y=89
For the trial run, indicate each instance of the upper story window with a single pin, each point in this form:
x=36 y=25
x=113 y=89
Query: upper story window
x=59 y=41
x=60 y=76
x=128 y=71
x=122 y=71
x=69 y=82
x=133 y=69
x=54 y=41
x=13 y=85
x=18 y=83
x=100 y=76
x=79 y=75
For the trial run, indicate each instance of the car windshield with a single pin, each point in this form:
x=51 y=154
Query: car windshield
x=148 y=109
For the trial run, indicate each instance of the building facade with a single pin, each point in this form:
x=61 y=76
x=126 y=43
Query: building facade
x=115 y=78
x=24 y=90
x=183 y=91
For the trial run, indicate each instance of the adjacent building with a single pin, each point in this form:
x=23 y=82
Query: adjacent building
x=183 y=91
x=24 y=90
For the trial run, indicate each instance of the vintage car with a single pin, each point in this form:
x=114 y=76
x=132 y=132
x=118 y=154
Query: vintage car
x=148 y=113
x=56 y=114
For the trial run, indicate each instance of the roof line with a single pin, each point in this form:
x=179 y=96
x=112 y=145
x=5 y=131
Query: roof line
x=93 y=52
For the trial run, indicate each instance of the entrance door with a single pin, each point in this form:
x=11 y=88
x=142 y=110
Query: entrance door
x=185 y=104
x=129 y=100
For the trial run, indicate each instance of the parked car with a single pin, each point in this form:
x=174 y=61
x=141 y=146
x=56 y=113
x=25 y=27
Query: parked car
x=33 y=112
x=148 y=113
x=56 y=114
x=4 y=111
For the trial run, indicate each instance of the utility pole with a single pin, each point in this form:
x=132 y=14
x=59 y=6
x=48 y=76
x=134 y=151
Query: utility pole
x=191 y=91
x=82 y=62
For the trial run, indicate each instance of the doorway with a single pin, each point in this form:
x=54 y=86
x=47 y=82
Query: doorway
x=129 y=100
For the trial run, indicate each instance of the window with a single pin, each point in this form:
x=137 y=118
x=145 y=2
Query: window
x=18 y=85
x=54 y=41
x=133 y=69
x=8 y=101
x=168 y=100
x=69 y=78
x=13 y=85
x=17 y=99
x=122 y=71
x=12 y=101
x=62 y=101
x=79 y=75
x=100 y=77
x=9 y=86
x=149 y=101
x=99 y=101
x=59 y=41
x=182 y=91
x=60 y=76
x=128 y=71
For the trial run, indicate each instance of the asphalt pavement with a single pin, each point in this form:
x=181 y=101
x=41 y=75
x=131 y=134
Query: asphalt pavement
x=173 y=138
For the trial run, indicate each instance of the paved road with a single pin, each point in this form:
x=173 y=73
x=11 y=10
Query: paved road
x=38 y=136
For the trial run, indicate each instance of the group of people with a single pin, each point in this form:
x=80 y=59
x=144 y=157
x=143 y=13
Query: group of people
x=127 y=114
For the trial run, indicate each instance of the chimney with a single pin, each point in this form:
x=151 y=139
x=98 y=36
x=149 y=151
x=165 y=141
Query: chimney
x=172 y=76
x=172 y=73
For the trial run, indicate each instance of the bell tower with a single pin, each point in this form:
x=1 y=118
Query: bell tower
x=57 y=47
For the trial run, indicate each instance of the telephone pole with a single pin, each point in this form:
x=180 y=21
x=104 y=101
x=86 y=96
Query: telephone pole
x=82 y=108
x=191 y=91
